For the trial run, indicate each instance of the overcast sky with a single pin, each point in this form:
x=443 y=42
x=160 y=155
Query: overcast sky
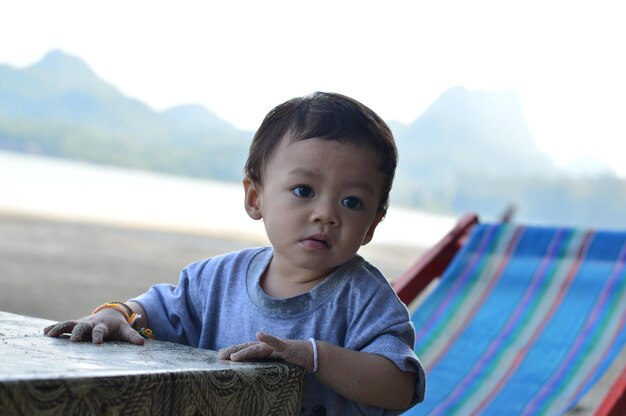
x=564 y=59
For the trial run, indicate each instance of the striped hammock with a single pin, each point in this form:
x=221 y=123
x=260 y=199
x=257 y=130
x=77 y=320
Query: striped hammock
x=525 y=321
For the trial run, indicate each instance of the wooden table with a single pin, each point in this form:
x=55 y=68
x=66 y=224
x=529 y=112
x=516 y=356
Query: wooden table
x=52 y=376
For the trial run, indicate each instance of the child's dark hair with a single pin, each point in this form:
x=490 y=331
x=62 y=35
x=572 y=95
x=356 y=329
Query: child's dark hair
x=325 y=116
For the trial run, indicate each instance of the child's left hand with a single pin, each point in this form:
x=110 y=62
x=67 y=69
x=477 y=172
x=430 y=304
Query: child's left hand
x=298 y=352
x=359 y=376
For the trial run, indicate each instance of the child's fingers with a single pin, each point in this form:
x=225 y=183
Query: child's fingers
x=277 y=344
x=128 y=334
x=294 y=351
x=98 y=333
x=80 y=331
x=253 y=352
x=225 y=353
x=47 y=329
x=56 y=330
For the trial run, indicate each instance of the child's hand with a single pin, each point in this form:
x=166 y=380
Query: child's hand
x=297 y=352
x=359 y=376
x=107 y=324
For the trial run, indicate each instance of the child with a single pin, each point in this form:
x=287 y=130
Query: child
x=319 y=173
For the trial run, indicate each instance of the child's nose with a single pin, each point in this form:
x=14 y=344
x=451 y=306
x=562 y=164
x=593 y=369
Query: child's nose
x=326 y=213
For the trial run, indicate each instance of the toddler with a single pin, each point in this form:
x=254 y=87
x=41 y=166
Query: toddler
x=319 y=173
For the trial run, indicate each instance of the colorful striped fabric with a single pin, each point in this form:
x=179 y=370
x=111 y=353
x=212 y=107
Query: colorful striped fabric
x=524 y=321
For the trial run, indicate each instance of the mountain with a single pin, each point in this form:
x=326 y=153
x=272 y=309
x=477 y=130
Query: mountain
x=469 y=128
x=469 y=151
x=462 y=140
x=473 y=151
x=59 y=107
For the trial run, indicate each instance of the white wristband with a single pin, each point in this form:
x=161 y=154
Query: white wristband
x=314 y=344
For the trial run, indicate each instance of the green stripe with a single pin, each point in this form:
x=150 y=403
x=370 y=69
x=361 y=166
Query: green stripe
x=487 y=374
x=435 y=334
x=599 y=332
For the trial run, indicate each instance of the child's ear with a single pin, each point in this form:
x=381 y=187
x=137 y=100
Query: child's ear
x=252 y=199
x=370 y=232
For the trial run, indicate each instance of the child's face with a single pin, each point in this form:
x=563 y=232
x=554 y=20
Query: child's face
x=319 y=201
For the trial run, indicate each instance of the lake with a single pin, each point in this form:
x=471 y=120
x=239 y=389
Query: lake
x=77 y=191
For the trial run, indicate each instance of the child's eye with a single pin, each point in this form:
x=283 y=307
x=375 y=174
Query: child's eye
x=352 y=202
x=303 y=191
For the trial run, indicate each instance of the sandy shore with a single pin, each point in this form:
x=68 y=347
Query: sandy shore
x=74 y=235
x=61 y=269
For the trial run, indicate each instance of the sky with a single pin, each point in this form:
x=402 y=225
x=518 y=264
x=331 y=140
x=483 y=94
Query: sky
x=564 y=59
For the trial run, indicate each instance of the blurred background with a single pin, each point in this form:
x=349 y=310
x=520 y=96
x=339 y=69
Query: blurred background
x=124 y=126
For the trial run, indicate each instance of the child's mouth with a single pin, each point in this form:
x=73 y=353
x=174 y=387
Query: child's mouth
x=317 y=242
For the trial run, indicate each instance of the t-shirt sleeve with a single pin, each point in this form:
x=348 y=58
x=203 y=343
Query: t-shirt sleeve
x=174 y=311
x=384 y=328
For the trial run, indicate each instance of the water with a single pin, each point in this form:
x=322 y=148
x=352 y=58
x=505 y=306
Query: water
x=70 y=190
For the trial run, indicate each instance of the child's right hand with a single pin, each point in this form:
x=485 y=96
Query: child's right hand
x=107 y=324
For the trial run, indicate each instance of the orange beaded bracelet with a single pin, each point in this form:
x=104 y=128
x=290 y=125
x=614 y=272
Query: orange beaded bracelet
x=128 y=313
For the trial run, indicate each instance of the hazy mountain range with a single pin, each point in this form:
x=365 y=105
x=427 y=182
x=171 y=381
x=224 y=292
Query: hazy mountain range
x=469 y=151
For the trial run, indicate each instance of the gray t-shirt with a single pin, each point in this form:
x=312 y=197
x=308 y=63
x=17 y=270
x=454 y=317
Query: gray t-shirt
x=219 y=302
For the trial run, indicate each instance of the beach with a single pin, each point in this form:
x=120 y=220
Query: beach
x=74 y=235
x=59 y=270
